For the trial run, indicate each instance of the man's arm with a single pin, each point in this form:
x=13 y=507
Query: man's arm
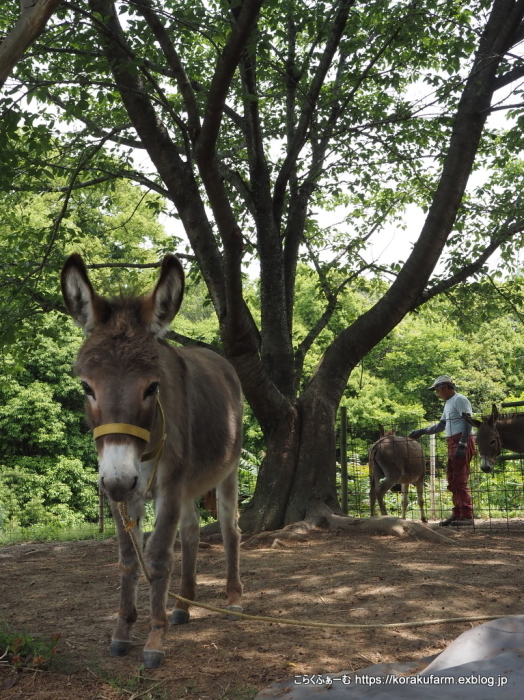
x=430 y=430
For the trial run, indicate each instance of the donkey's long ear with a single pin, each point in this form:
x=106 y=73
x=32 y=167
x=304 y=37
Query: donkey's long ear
x=472 y=421
x=494 y=415
x=86 y=307
x=161 y=306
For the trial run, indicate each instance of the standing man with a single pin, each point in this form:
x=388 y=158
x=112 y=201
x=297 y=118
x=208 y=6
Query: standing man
x=461 y=448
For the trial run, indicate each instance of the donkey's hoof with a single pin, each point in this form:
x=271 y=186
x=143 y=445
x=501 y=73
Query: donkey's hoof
x=119 y=648
x=179 y=617
x=152 y=658
x=234 y=609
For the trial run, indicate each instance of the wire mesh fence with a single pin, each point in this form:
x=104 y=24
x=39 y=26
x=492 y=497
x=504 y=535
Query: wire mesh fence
x=498 y=498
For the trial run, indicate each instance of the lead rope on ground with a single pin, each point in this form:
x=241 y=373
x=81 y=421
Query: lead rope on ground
x=130 y=524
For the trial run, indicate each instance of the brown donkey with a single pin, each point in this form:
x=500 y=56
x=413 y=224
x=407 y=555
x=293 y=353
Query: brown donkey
x=396 y=460
x=131 y=378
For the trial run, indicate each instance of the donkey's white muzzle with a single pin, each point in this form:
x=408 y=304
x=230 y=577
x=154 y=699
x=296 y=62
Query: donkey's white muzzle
x=486 y=465
x=119 y=471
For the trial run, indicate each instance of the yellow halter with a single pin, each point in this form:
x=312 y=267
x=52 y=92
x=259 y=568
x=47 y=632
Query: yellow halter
x=143 y=434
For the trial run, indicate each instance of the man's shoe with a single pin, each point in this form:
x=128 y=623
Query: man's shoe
x=462 y=521
x=447 y=522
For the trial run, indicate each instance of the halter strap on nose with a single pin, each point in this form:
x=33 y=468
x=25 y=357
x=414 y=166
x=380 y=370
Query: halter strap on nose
x=142 y=433
x=125 y=428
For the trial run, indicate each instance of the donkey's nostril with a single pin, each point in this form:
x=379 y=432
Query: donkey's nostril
x=118 y=488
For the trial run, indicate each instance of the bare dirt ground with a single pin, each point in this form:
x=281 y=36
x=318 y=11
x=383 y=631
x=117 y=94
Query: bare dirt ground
x=71 y=589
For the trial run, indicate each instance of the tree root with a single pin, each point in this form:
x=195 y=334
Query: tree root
x=321 y=517
x=296 y=531
x=390 y=525
x=381 y=525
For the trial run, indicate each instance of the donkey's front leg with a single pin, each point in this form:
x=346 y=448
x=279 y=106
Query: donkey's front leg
x=129 y=566
x=159 y=558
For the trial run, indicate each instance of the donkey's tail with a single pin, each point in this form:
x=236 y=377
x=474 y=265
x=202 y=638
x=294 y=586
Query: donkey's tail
x=373 y=465
x=375 y=469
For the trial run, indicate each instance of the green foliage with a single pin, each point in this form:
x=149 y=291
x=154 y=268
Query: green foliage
x=247 y=475
x=385 y=140
x=485 y=359
x=115 y=223
x=48 y=468
x=48 y=465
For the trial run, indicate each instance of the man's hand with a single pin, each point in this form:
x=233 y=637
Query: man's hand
x=415 y=434
x=461 y=450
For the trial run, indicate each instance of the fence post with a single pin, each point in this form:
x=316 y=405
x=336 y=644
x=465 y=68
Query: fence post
x=100 y=510
x=432 y=465
x=344 y=457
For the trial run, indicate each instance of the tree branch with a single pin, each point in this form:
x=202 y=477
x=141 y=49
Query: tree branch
x=191 y=342
x=506 y=299
x=226 y=67
x=111 y=136
x=173 y=60
x=472 y=268
x=470 y=117
x=76 y=186
x=137 y=266
x=178 y=177
x=241 y=186
x=322 y=322
x=308 y=106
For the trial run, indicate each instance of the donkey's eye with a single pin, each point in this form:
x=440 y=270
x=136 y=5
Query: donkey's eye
x=151 y=389
x=89 y=392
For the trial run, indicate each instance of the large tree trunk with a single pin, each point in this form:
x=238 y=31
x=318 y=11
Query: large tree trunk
x=297 y=477
x=267 y=509
x=314 y=481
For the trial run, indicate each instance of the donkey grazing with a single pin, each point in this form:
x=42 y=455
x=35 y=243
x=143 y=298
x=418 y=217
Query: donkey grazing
x=132 y=378
x=396 y=460
x=495 y=432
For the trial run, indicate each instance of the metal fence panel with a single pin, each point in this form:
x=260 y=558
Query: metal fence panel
x=497 y=498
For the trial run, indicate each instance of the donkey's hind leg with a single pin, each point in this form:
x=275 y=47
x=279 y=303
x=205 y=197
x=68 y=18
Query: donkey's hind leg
x=189 y=537
x=420 y=499
x=373 y=481
x=129 y=566
x=382 y=489
x=227 y=496
x=405 y=499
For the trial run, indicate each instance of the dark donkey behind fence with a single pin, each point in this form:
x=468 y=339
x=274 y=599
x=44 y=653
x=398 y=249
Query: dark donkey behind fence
x=396 y=460
x=495 y=432
x=132 y=378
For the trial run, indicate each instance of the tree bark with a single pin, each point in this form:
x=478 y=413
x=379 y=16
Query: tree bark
x=267 y=510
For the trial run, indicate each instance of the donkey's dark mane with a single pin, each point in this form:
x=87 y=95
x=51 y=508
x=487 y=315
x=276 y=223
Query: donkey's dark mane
x=510 y=417
x=123 y=341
